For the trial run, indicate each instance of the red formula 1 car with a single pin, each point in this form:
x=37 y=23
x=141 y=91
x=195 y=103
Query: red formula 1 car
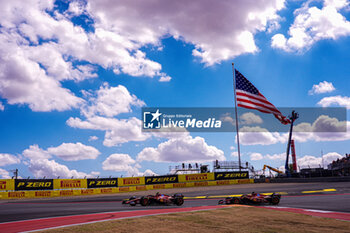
x=254 y=198
x=176 y=199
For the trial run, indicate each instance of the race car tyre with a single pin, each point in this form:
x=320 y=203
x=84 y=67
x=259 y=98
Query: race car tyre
x=275 y=200
x=236 y=201
x=179 y=201
x=178 y=195
x=144 y=201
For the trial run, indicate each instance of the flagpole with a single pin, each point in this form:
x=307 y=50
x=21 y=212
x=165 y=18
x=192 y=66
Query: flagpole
x=234 y=90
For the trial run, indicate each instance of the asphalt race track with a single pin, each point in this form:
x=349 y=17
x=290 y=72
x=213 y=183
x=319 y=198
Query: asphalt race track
x=319 y=196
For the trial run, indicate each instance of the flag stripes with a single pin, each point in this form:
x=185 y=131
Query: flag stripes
x=248 y=96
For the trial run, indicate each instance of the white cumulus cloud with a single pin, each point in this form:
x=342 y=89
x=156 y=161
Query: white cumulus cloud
x=118 y=162
x=117 y=131
x=32 y=28
x=322 y=87
x=165 y=79
x=51 y=169
x=40 y=162
x=119 y=32
x=259 y=136
x=324 y=128
x=34 y=152
x=93 y=138
x=314 y=162
x=124 y=163
x=4 y=174
x=312 y=24
x=148 y=22
x=260 y=156
x=343 y=101
x=66 y=151
x=182 y=149
x=281 y=156
x=99 y=112
x=228 y=118
x=111 y=101
x=256 y=156
x=7 y=159
x=234 y=154
x=250 y=118
x=23 y=81
x=74 y=151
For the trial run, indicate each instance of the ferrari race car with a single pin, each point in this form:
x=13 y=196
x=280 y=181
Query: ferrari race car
x=176 y=199
x=254 y=198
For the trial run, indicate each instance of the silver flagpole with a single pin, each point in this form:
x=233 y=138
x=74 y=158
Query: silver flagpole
x=234 y=89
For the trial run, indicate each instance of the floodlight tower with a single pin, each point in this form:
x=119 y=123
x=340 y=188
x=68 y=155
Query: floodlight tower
x=15 y=173
x=292 y=118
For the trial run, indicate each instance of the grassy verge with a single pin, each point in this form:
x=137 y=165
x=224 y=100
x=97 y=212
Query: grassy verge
x=236 y=219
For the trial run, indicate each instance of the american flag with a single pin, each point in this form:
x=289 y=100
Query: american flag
x=248 y=96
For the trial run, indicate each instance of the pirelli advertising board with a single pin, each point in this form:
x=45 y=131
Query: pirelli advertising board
x=196 y=177
x=43 y=194
x=161 y=179
x=231 y=175
x=102 y=183
x=33 y=184
x=70 y=183
x=130 y=181
x=7 y=185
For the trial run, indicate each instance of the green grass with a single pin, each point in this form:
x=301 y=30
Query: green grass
x=235 y=219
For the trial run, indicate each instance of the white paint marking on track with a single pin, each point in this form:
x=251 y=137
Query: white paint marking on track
x=318 y=211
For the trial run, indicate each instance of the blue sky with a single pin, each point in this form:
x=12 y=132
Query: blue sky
x=74 y=76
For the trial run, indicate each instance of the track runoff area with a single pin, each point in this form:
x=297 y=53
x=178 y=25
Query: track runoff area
x=329 y=200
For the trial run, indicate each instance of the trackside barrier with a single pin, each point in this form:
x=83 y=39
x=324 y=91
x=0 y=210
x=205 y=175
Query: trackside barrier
x=231 y=175
x=111 y=190
x=33 y=188
x=58 y=184
x=196 y=177
x=33 y=184
x=102 y=183
x=161 y=179
x=129 y=181
x=7 y=185
x=69 y=183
